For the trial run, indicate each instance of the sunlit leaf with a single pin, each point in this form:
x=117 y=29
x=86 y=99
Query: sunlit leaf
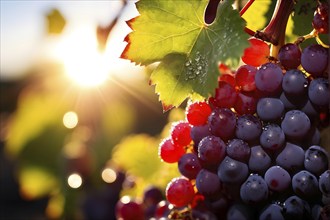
x=174 y=33
x=55 y=22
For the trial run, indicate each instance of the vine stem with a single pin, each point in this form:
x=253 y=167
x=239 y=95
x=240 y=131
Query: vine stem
x=241 y=13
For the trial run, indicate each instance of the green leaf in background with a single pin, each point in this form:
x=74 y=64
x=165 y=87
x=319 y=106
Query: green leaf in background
x=55 y=22
x=174 y=33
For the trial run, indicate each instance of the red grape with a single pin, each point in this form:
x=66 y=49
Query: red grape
x=245 y=78
x=180 y=191
x=180 y=133
x=197 y=113
x=170 y=152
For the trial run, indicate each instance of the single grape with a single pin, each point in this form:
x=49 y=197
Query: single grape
x=211 y=150
x=305 y=185
x=291 y=158
x=320 y=24
x=207 y=183
x=295 y=124
x=323 y=9
x=314 y=59
x=294 y=208
x=257 y=53
x=180 y=191
x=189 y=165
x=268 y=79
x=294 y=83
x=180 y=133
x=272 y=212
x=197 y=113
x=232 y=171
x=246 y=103
x=222 y=123
x=225 y=96
x=259 y=160
x=318 y=92
x=245 y=78
x=170 y=152
x=228 y=78
x=289 y=56
x=277 y=179
x=254 y=190
x=152 y=196
x=310 y=110
x=272 y=137
x=248 y=128
x=316 y=160
x=238 y=150
x=270 y=109
x=324 y=183
x=197 y=133
x=129 y=209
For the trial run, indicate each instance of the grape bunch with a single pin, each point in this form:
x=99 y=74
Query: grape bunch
x=252 y=151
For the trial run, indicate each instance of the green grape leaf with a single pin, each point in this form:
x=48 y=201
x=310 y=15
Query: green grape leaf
x=174 y=33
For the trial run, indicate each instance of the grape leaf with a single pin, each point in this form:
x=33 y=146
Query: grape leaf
x=174 y=33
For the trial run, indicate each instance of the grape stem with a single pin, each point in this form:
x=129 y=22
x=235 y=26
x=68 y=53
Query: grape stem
x=274 y=32
x=312 y=34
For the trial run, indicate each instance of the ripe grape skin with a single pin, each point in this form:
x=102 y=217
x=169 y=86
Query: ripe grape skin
x=277 y=179
x=222 y=123
x=324 y=183
x=127 y=208
x=259 y=160
x=316 y=160
x=207 y=182
x=225 y=96
x=272 y=137
x=291 y=158
x=197 y=133
x=211 y=150
x=294 y=83
x=152 y=196
x=239 y=211
x=180 y=133
x=314 y=59
x=197 y=113
x=295 y=124
x=245 y=78
x=270 y=109
x=180 y=191
x=232 y=171
x=289 y=56
x=320 y=24
x=254 y=190
x=272 y=212
x=170 y=152
x=246 y=103
x=294 y=208
x=238 y=150
x=268 y=79
x=305 y=185
x=189 y=165
x=248 y=128
x=318 y=92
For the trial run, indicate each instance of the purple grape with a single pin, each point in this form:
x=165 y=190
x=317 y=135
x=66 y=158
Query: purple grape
x=291 y=158
x=314 y=59
x=211 y=151
x=305 y=185
x=238 y=150
x=294 y=83
x=259 y=160
x=222 y=123
x=232 y=171
x=324 y=183
x=272 y=212
x=248 y=128
x=272 y=137
x=152 y=196
x=318 y=92
x=320 y=24
x=310 y=110
x=268 y=79
x=294 y=208
x=277 y=179
x=270 y=109
x=254 y=190
x=289 y=56
x=240 y=211
x=316 y=160
x=295 y=124
x=197 y=133
x=207 y=182
x=189 y=165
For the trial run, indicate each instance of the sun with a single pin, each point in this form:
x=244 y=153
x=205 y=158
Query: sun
x=83 y=62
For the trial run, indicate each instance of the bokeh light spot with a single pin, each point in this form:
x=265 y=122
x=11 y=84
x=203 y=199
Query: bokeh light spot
x=74 y=180
x=109 y=175
x=70 y=119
